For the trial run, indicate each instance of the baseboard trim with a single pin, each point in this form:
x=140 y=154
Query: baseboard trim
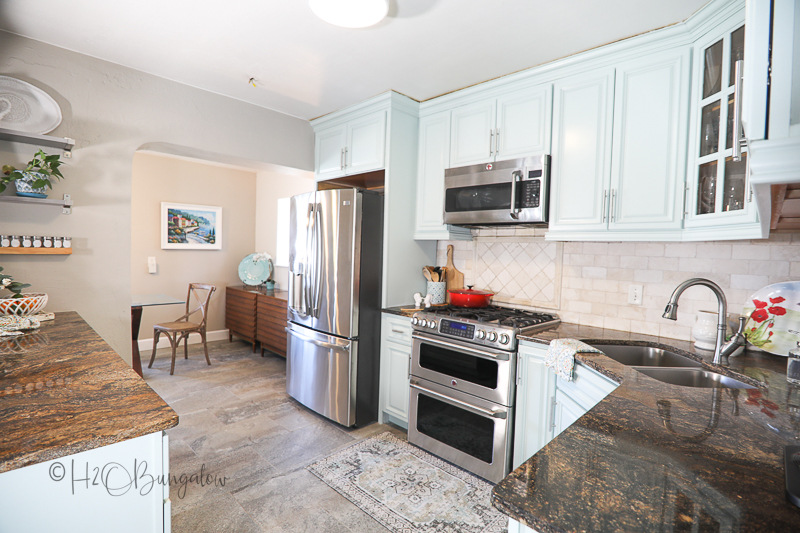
x=194 y=338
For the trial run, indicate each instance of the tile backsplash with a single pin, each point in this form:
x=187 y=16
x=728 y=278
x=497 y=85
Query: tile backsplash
x=588 y=282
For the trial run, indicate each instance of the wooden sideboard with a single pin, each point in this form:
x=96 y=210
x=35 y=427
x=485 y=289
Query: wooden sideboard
x=257 y=316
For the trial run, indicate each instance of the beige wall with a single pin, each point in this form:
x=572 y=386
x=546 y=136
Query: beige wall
x=270 y=186
x=112 y=111
x=596 y=277
x=159 y=178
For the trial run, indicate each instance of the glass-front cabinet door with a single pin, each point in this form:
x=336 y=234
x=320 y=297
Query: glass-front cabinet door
x=717 y=186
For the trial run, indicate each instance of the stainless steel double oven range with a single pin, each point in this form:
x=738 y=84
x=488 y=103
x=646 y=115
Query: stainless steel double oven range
x=463 y=384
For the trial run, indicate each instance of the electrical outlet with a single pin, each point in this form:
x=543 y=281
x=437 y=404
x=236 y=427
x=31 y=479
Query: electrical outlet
x=635 y=294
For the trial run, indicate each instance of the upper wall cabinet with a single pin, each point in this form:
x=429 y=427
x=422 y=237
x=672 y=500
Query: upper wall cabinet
x=433 y=158
x=719 y=199
x=623 y=181
x=356 y=146
x=648 y=157
x=516 y=124
x=581 y=162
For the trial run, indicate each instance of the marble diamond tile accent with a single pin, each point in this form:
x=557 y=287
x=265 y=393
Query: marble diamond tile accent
x=520 y=270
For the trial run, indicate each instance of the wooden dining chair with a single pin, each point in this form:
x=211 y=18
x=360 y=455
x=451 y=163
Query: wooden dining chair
x=182 y=327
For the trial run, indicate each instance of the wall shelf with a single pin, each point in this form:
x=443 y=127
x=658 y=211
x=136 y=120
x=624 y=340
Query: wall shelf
x=35 y=251
x=63 y=143
x=65 y=203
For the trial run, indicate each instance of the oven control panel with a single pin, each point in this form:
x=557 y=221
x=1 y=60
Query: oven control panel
x=457 y=329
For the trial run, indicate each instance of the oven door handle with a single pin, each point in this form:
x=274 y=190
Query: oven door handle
x=477 y=410
x=486 y=355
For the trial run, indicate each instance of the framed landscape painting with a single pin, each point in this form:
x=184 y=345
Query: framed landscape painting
x=190 y=227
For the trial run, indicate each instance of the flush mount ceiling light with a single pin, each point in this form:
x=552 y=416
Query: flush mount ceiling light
x=350 y=13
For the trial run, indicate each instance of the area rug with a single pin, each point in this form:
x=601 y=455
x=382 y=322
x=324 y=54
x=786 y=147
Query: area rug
x=409 y=490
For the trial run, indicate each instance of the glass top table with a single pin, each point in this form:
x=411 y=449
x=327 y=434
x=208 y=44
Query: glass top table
x=138 y=301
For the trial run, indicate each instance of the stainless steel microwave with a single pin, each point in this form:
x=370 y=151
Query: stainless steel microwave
x=507 y=192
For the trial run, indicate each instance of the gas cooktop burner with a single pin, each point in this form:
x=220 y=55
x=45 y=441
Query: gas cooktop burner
x=503 y=316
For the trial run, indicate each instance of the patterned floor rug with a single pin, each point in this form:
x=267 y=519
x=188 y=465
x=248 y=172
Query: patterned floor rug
x=409 y=490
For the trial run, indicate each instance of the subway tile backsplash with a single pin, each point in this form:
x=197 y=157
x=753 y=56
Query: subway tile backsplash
x=588 y=282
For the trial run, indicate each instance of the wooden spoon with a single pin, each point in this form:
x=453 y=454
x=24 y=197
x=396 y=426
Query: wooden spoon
x=427 y=273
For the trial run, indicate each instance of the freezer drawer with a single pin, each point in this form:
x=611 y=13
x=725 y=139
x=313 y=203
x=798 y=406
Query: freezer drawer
x=321 y=373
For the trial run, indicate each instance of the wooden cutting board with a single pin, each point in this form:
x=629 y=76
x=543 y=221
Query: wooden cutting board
x=454 y=278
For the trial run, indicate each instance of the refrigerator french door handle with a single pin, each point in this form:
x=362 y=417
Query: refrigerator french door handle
x=311 y=264
x=317 y=261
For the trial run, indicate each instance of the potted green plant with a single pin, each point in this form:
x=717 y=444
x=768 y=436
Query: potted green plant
x=19 y=304
x=36 y=177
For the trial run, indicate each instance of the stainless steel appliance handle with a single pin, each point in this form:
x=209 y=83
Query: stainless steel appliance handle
x=321 y=344
x=318 y=281
x=515 y=177
x=737 y=111
x=465 y=405
x=461 y=348
x=310 y=265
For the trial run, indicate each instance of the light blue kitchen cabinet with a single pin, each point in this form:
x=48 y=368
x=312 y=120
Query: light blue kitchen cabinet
x=619 y=151
x=648 y=157
x=512 y=125
x=329 y=148
x=433 y=158
x=547 y=405
x=536 y=385
x=771 y=99
x=395 y=369
x=581 y=161
x=121 y=487
x=353 y=147
x=719 y=200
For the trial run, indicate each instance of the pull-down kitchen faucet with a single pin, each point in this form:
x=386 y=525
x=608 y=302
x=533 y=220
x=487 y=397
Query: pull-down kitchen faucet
x=721 y=348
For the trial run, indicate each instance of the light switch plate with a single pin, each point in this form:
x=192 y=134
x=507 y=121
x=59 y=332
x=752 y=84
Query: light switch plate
x=635 y=294
x=151 y=265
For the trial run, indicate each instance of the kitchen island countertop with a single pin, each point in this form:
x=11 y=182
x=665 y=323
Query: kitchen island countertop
x=659 y=457
x=63 y=390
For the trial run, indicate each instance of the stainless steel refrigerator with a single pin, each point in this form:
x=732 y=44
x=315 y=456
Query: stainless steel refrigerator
x=333 y=345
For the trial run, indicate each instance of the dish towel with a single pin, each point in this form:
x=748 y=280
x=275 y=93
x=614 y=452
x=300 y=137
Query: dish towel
x=561 y=355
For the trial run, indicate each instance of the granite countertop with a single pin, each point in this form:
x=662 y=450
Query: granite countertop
x=400 y=310
x=63 y=390
x=659 y=457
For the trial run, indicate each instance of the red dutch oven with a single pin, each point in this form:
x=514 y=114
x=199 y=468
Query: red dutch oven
x=469 y=297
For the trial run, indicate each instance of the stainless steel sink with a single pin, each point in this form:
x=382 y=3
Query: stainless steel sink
x=645 y=356
x=693 y=377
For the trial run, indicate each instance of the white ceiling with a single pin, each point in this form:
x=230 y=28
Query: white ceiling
x=308 y=68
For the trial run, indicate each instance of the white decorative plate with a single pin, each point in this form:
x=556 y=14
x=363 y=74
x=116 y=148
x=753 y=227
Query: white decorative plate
x=774 y=318
x=26 y=108
x=253 y=271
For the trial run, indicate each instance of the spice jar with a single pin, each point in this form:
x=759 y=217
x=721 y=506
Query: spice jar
x=793 y=366
x=27 y=241
x=67 y=242
x=37 y=241
x=5 y=241
x=15 y=241
x=57 y=242
x=47 y=242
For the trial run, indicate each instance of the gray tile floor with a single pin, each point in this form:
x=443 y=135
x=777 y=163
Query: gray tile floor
x=237 y=422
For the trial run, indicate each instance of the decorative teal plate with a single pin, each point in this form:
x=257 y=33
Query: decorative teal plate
x=773 y=322
x=253 y=272
x=32 y=194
